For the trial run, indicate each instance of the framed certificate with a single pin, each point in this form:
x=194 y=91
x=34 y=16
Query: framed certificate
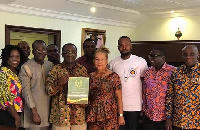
x=78 y=90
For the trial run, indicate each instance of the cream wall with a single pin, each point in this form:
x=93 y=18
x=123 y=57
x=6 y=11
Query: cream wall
x=70 y=30
x=164 y=29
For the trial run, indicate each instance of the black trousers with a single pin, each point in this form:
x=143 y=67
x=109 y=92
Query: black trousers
x=131 y=120
x=153 y=125
x=6 y=119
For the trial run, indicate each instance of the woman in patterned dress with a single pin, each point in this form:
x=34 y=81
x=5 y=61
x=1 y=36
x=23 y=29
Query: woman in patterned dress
x=10 y=88
x=105 y=98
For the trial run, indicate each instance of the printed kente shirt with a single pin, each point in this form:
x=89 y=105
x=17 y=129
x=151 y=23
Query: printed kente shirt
x=154 y=91
x=183 y=98
x=61 y=113
x=10 y=90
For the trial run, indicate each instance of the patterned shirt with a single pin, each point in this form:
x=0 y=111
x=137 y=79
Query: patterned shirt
x=154 y=91
x=183 y=98
x=10 y=90
x=61 y=113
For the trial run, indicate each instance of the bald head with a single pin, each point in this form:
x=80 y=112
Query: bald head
x=191 y=47
x=190 y=55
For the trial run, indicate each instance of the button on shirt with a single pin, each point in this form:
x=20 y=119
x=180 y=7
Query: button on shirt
x=183 y=98
x=154 y=91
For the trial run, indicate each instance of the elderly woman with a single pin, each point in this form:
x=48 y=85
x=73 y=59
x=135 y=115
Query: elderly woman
x=10 y=87
x=105 y=96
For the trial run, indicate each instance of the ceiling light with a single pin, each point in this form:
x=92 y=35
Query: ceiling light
x=172 y=11
x=93 y=9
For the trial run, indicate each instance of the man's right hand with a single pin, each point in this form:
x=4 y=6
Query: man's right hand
x=168 y=124
x=63 y=80
x=36 y=116
x=36 y=119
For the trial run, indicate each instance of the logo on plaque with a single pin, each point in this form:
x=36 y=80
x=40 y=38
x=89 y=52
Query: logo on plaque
x=78 y=83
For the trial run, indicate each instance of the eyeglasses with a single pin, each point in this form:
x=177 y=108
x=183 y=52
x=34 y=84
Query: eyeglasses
x=69 y=52
x=154 y=56
x=41 y=51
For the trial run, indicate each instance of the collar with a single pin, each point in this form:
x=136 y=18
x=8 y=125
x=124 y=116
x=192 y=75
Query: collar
x=163 y=67
x=63 y=65
x=194 y=68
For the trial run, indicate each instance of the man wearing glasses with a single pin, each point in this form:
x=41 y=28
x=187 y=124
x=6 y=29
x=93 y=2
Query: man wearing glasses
x=65 y=116
x=32 y=77
x=155 y=85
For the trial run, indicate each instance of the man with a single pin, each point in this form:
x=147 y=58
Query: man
x=32 y=76
x=89 y=48
x=130 y=68
x=155 y=85
x=25 y=48
x=63 y=116
x=53 y=54
x=183 y=93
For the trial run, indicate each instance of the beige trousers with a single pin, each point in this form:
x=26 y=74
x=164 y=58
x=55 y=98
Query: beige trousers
x=38 y=128
x=69 y=127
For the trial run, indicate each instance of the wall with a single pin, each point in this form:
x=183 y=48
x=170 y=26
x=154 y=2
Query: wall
x=70 y=30
x=164 y=29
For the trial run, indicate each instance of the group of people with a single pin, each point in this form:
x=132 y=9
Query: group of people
x=33 y=92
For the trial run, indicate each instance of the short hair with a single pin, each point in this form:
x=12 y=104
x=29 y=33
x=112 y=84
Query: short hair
x=89 y=40
x=52 y=45
x=104 y=50
x=122 y=37
x=161 y=50
x=36 y=42
x=68 y=44
x=192 y=46
x=5 y=54
x=22 y=42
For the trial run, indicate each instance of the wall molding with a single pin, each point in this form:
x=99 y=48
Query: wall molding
x=105 y=6
x=13 y=8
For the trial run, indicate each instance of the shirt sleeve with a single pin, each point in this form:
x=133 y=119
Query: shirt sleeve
x=6 y=97
x=144 y=67
x=144 y=89
x=52 y=80
x=170 y=96
x=26 y=87
x=117 y=82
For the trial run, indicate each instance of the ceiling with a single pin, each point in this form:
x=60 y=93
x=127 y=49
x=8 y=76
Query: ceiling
x=126 y=13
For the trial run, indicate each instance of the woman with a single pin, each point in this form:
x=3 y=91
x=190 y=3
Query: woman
x=10 y=87
x=105 y=95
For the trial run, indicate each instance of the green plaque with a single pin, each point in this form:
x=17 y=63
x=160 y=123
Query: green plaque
x=78 y=90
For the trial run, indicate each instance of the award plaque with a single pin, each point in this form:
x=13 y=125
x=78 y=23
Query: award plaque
x=78 y=90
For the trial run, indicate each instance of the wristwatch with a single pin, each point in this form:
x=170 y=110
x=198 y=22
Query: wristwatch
x=120 y=114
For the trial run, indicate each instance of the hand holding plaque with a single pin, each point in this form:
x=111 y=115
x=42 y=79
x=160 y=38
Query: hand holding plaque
x=78 y=90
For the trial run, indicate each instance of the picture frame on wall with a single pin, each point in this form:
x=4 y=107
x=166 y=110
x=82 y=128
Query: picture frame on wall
x=99 y=36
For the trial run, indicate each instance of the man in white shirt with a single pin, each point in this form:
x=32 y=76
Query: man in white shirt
x=130 y=68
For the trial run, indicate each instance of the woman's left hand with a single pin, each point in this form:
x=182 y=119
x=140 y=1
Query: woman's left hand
x=121 y=120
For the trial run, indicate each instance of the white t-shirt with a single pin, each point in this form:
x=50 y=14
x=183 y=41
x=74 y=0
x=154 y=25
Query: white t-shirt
x=130 y=72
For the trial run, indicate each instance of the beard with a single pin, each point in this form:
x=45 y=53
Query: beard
x=125 y=54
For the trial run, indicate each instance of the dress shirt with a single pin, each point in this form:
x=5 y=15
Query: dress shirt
x=154 y=91
x=89 y=65
x=183 y=98
x=61 y=113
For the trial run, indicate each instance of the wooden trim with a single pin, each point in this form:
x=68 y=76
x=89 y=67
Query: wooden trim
x=173 y=49
x=91 y=31
x=23 y=29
